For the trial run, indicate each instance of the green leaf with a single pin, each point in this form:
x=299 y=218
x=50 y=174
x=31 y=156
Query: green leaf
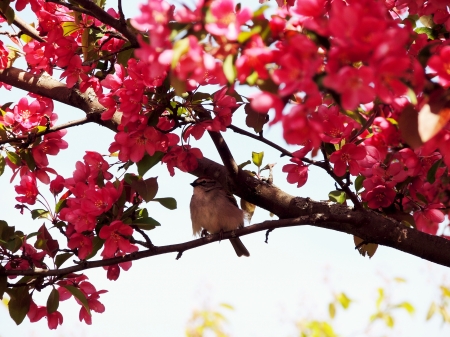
x=244 y=36
x=3 y=283
x=226 y=306
x=180 y=48
x=10 y=15
x=2 y=165
x=78 y=294
x=6 y=231
x=228 y=69
x=200 y=96
x=14 y=158
x=15 y=244
x=426 y=30
x=431 y=311
x=39 y=213
x=389 y=320
x=147 y=188
x=69 y=27
x=380 y=297
x=169 y=203
x=28 y=158
x=146 y=223
x=332 y=310
x=19 y=304
x=407 y=306
x=445 y=291
x=148 y=162
x=96 y=246
x=178 y=85
x=337 y=196
x=431 y=175
x=255 y=119
x=61 y=258
x=344 y=300
x=257 y=158
x=60 y=205
x=53 y=301
x=125 y=55
x=244 y=164
x=359 y=182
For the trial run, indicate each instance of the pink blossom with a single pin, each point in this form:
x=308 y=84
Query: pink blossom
x=347 y=156
x=297 y=172
x=115 y=239
x=353 y=85
x=28 y=188
x=226 y=22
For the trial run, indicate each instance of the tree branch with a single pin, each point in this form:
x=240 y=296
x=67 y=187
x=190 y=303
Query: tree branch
x=370 y=226
x=25 y=28
x=47 y=86
x=104 y=17
x=224 y=152
x=88 y=119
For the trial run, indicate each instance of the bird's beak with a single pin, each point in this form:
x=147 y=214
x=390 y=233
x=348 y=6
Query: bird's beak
x=193 y=184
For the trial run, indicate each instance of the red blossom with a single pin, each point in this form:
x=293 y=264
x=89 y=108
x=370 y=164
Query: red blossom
x=28 y=188
x=347 y=156
x=115 y=239
x=297 y=172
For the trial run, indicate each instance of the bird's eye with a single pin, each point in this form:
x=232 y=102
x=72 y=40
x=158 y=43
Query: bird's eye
x=203 y=182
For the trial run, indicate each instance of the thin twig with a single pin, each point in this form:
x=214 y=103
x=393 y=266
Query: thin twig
x=89 y=118
x=121 y=15
x=25 y=28
x=71 y=7
x=98 y=13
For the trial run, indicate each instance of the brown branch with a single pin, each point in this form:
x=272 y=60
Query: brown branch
x=25 y=27
x=47 y=86
x=370 y=226
x=71 y=7
x=104 y=17
x=272 y=144
x=224 y=152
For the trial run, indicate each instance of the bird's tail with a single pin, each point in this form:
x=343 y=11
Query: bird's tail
x=239 y=247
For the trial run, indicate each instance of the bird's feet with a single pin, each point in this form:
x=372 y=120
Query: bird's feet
x=204 y=233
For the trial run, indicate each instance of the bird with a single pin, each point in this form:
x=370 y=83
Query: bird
x=216 y=211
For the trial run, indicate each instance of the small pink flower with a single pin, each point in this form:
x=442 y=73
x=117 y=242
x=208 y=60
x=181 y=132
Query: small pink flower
x=28 y=188
x=297 y=172
x=348 y=156
x=114 y=236
x=227 y=23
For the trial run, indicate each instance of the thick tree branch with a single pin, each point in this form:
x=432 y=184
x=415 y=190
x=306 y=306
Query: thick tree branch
x=370 y=226
x=47 y=86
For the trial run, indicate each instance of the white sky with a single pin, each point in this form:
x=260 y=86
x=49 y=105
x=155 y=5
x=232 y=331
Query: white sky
x=291 y=278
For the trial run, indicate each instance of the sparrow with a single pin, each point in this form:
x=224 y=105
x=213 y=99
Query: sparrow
x=214 y=210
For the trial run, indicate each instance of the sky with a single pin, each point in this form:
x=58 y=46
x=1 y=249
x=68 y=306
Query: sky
x=293 y=277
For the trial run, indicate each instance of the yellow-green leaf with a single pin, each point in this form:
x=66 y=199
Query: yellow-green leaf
x=337 y=196
x=228 y=69
x=69 y=27
x=344 y=300
x=332 y=310
x=257 y=158
x=180 y=48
